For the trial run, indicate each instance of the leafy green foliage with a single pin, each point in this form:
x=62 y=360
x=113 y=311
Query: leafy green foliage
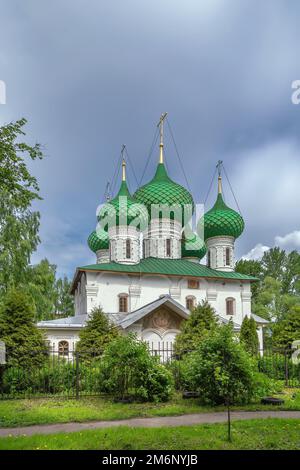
x=220 y=369
x=251 y=268
x=287 y=330
x=279 y=287
x=201 y=320
x=128 y=369
x=24 y=342
x=40 y=285
x=96 y=335
x=18 y=190
x=248 y=336
x=64 y=301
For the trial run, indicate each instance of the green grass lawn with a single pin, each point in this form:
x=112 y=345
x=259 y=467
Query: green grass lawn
x=255 y=434
x=50 y=410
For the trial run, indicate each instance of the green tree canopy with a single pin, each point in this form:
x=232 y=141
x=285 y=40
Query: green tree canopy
x=220 y=369
x=40 y=284
x=251 y=268
x=96 y=335
x=287 y=330
x=202 y=319
x=64 y=301
x=19 y=224
x=25 y=344
x=271 y=303
x=248 y=336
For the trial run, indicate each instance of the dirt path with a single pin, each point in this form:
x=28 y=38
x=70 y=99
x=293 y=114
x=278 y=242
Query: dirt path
x=184 y=420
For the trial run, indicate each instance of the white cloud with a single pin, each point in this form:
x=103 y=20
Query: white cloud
x=290 y=241
x=256 y=253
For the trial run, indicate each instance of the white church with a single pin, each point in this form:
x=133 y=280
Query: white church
x=148 y=274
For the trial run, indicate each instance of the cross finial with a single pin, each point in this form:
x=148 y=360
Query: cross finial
x=123 y=163
x=161 y=133
x=219 y=166
x=107 y=192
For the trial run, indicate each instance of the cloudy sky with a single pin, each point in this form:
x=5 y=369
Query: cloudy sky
x=91 y=75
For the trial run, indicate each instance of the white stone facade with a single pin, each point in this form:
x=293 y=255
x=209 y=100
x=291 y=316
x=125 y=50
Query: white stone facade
x=220 y=253
x=124 y=244
x=163 y=239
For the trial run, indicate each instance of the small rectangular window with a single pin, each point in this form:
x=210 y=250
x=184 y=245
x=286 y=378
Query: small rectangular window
x=230 y=307
x=128 y=249
x=208 y=258
x=123 y=303
x=193 y=284
x=227 y=256
x=190 y=303
x=168 y=247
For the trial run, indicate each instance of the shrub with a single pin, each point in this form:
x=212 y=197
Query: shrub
x=128 y=370
x=264 y=386
x=220 y=369
x=25 y=344
x=248 y=336
x=96 y=335
x=200 y=322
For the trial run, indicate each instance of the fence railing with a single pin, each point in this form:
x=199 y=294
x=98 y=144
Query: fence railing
x=71 y=374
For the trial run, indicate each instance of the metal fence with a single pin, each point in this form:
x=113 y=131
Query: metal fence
x=70 y=374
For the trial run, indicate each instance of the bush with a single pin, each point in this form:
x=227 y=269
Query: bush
x=25 y=344
x=129 y=371
x=201 y=321
x=55 y=377
x=264 y=386
x=220 y=370
x=96 y=335
x=248 y=336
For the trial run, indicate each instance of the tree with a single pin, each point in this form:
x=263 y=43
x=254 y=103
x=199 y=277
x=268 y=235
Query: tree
x=64 y=301
x=129 y=370
x=248 y=336
x=19 y=224
x=271 y=303
x=251 y=268
x=291 y=274
x=201 y=320
x=221 y=370
x=40 y=283
x=25 y=344
x=96 y=335
x=287 y=330
x=273 y=262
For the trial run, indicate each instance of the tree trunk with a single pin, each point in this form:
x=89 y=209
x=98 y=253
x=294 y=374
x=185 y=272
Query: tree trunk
x=228 y=422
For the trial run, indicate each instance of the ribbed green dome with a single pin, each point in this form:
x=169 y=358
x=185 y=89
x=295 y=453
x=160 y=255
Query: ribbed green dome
x=162 y=190
x=197 y=248
x=123 y=209
x=220 y=220
x=98 y=240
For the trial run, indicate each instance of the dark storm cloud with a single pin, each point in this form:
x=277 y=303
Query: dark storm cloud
x=91 y=75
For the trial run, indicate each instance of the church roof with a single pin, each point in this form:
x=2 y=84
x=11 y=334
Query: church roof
x=161 y=190
x=124 y=320
x=168 y=267
x=146 y=309
x=259 y=319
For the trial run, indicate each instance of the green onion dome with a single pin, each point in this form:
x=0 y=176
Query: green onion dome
x=123 y=210
x=162 y=190
x=221 y=220
x=98 y=240
x=193 y=247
